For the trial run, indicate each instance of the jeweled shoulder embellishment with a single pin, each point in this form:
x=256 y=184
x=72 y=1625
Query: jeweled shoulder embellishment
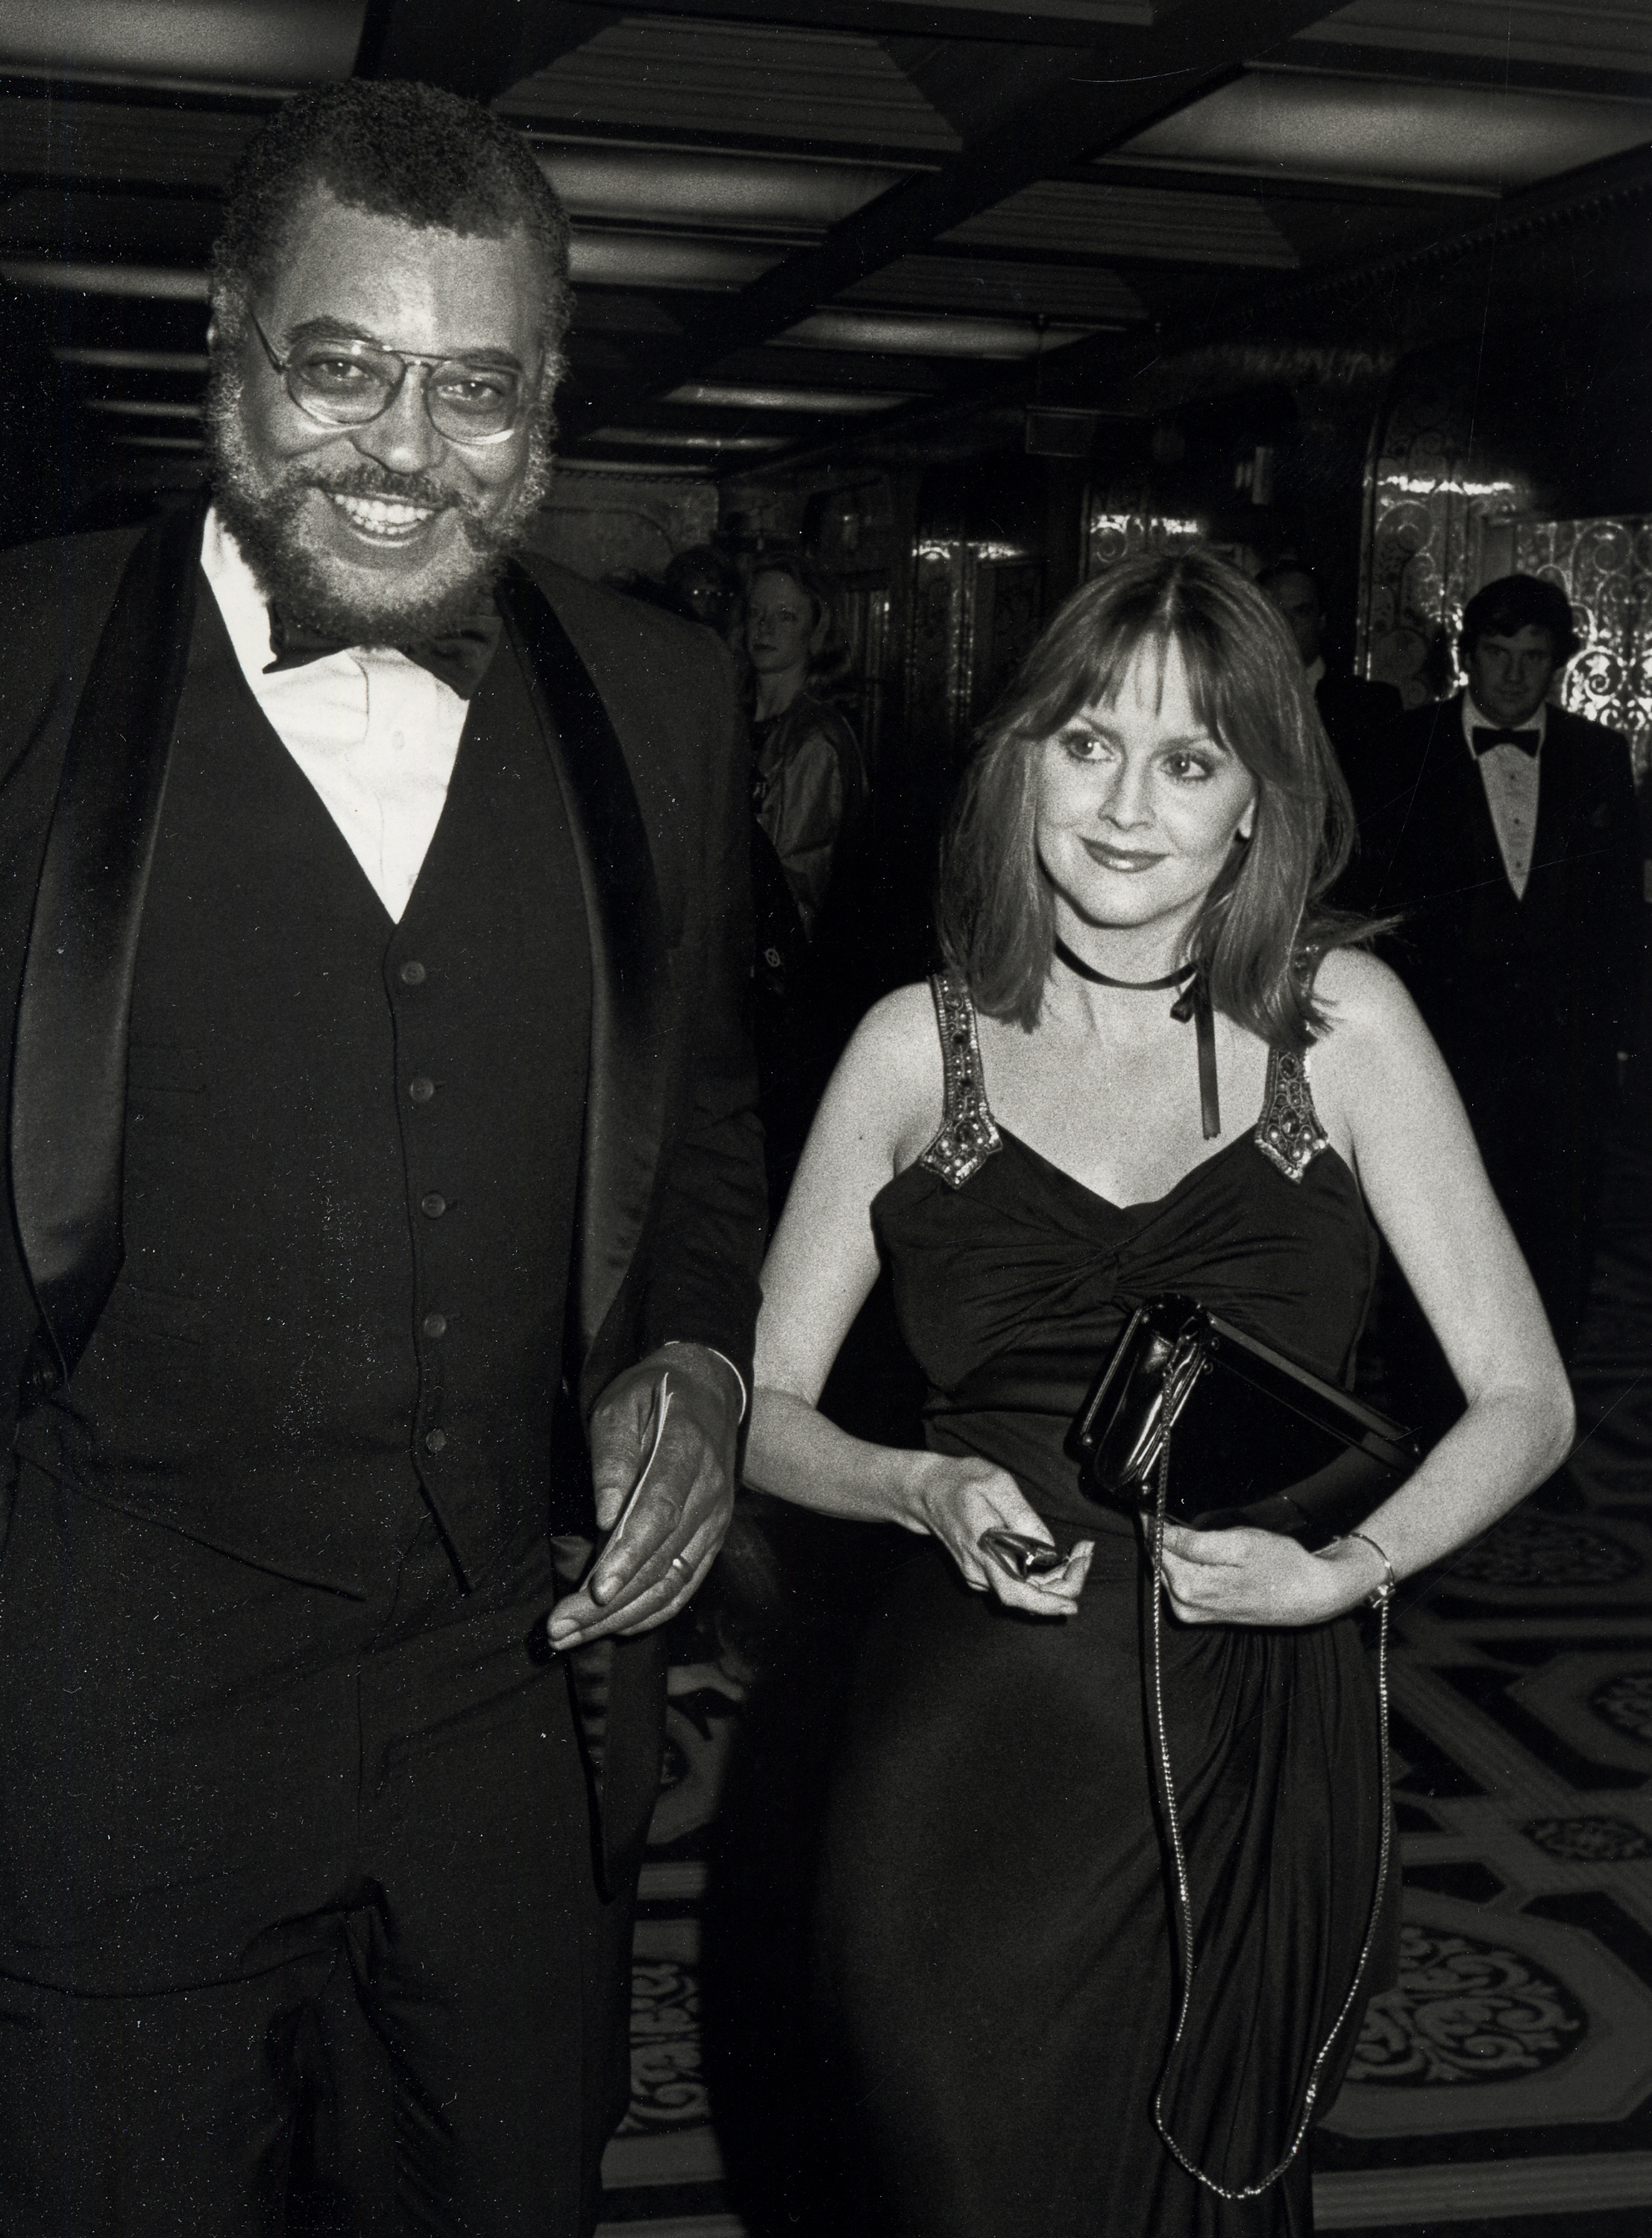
x=967 y=1136
x=1289 y=1131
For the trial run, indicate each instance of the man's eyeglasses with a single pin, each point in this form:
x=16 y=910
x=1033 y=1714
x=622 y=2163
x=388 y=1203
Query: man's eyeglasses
x=345 y=384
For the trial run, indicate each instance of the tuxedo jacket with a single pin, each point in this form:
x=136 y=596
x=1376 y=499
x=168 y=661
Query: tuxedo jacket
x=1571 y=947
x=1352 y=703
x=640 y=715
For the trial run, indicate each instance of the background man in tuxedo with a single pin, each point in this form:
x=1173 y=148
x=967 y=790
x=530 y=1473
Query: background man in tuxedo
x=1358 y=715
x=382 y=1163
x=1513 y=848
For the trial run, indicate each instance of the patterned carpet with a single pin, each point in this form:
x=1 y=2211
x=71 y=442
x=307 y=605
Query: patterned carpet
x=1504 y=2090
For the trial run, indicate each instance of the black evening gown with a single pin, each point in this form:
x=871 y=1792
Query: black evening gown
x=996 y=1950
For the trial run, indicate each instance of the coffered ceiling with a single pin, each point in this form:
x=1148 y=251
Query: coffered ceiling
x=808 y=223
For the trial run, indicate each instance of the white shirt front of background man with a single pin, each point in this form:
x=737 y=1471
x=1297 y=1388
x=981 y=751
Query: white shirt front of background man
x=1511 y=777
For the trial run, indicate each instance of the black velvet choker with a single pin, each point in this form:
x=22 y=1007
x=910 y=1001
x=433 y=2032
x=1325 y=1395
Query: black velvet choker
x=1193 y=1002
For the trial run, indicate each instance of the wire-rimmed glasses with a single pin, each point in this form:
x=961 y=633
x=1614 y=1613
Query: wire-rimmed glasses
x=347 y=383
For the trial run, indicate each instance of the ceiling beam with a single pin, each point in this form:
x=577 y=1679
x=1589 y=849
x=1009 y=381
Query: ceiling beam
x=1063 y=104
x=1500 y=72
x=478 y=48
x=990 y=21
x=1330 y=307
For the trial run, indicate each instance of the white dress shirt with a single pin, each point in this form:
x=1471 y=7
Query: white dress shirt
x=375 y=733
x=1510 y=779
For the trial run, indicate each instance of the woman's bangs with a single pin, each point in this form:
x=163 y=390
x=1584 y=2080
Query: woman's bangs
x=1084 y=668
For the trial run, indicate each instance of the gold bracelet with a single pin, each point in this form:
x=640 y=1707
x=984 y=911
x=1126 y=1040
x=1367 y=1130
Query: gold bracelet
x=1386 y=1590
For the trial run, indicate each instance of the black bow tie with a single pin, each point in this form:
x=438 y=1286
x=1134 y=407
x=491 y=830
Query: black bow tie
x=459 y=659
x=1485 y=737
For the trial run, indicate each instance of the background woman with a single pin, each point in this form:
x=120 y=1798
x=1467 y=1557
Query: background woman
x=1156 y=792
x=809 y=797
x=810 y=785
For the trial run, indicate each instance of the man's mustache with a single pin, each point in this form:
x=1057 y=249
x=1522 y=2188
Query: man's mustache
x=370 y=480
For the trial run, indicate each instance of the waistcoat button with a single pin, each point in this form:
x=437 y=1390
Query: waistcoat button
x=435 y=1440
x=435 y=1324
x=413 y=975
x=433 y=1204
x=421 y=1089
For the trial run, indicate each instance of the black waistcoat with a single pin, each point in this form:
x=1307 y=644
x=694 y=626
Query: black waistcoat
x=352 y=1155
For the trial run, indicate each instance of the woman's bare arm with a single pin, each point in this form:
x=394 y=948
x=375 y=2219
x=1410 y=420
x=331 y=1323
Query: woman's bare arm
x=1381 y=1084
x=883 y=1105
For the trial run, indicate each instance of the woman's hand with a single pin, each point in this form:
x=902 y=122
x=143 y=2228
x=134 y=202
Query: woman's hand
x=1243 y=1576
x=956 y=1500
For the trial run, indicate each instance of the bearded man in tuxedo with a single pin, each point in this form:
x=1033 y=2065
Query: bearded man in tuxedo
x=1511 y=845
x=385 y=1202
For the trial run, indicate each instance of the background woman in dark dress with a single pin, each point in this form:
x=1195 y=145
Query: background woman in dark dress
x=995 y=1924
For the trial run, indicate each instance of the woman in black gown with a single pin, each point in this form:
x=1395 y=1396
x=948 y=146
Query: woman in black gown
x=997 y=1952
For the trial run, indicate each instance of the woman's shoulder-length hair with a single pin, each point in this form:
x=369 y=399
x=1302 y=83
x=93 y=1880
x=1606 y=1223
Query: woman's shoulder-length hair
x=1263 y=923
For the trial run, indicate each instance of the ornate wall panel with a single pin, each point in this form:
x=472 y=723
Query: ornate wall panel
x=1428 y=507
x=1009 y=613
x=977 y=608
x=1113 y=536
x=1605 y=569
x=935 y=649
x=1443 y=518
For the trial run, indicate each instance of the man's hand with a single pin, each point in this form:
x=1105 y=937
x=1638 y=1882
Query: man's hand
x=649 y=1570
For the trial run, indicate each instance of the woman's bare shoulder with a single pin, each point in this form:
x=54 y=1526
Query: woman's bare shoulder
x=1375 y=1053
x=891 y=1076
x=1362 y=997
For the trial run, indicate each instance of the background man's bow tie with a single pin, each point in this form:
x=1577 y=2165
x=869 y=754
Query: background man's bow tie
x=1485 y=738
x=460 y=659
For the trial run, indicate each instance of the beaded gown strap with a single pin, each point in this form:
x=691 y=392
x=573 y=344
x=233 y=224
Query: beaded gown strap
x=967 y=1136
x=1288 y=1133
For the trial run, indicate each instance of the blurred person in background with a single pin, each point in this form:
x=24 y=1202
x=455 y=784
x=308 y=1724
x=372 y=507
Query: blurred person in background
x=1512 y=846
x=809 y=797
x=1358 y=715
x=702 y=586
x=809 y=782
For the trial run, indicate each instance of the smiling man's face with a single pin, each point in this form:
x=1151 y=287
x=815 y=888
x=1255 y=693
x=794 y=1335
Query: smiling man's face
x=385 y=530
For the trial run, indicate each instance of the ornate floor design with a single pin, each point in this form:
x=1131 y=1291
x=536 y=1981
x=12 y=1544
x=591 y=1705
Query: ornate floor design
x=1504 y=2090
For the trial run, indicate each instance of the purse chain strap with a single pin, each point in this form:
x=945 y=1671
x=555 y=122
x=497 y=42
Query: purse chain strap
x=1184 y=1900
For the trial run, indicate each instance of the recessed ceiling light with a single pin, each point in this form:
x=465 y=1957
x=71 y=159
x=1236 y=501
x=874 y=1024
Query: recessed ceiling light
x=701 y=187
x=673 y=439
x=160 y=283
x=664 y=260
x=132 y=361
x=133 y=407
x=918 y=335
x=733 y=398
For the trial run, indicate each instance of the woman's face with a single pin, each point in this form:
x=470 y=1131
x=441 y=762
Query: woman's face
x=1138 y=806
x=780 y=624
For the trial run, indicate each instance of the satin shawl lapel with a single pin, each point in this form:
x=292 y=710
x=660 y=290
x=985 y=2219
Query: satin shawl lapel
x=618 y=1684
x=68 y=1078
x=625 y=1108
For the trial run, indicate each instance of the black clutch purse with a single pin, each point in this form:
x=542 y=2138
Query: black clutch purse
x=1258 y=1440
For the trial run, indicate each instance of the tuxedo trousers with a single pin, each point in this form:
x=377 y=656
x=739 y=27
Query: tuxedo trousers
x=1539 y=1092
x=303 y=1933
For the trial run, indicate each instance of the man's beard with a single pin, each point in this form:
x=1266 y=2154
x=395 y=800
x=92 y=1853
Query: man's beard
x=264 y=512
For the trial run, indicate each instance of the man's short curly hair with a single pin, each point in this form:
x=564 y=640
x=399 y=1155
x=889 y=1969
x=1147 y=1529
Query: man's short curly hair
x=399 y=149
